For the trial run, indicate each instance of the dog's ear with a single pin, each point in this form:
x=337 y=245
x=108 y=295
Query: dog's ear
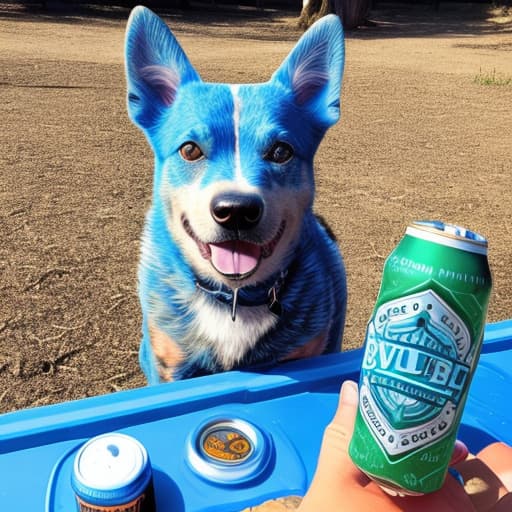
x=156 y=66
x=313 y=70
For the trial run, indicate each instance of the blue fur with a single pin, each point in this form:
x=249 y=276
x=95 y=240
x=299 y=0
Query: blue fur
x=276 y=120
x=215 y=138
x=172 y=105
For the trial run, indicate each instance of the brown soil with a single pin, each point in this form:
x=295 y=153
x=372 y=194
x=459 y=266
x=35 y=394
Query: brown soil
x=420 y=137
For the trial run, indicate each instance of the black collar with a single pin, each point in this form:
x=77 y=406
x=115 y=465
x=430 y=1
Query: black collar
x=249 y=295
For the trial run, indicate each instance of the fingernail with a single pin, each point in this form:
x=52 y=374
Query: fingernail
x=349 y=392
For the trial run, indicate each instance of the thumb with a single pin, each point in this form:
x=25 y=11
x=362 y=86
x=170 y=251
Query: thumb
x=345 y=415
x=334 y=462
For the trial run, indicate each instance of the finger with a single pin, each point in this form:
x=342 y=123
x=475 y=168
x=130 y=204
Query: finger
x=449 y=498
x=498 y=457
x=460 y=453
x=504 y=505
x=481 y=483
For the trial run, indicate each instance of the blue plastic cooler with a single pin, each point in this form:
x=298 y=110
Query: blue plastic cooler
x=277 y=418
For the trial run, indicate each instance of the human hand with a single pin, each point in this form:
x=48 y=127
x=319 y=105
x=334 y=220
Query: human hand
x=488 y=478
x=338 y=485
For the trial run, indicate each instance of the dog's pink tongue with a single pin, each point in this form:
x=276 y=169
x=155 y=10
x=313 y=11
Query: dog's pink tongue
x=235 y=257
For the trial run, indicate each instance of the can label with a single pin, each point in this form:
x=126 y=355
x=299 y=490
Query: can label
x=137 y=505
x=415 y=371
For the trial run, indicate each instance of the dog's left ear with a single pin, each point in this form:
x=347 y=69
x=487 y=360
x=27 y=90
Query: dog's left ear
x=314 y=68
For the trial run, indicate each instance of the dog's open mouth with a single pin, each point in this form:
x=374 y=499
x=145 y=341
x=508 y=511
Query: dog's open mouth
x=236 y=259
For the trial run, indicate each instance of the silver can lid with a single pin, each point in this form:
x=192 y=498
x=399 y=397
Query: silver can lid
x=449 y=235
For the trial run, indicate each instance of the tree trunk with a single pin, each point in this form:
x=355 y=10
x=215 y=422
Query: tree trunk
x=313 y=10
x=352 y=12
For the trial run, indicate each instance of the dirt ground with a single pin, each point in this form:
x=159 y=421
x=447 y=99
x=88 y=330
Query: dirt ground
x=426 y=133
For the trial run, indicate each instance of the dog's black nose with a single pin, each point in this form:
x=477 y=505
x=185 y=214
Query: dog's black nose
x=237 y=211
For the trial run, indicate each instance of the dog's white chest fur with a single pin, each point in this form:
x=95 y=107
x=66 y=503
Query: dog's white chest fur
x=230 y=340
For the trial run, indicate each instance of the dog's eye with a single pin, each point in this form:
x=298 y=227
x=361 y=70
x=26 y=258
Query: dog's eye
x=279 y=153
x=191 y=152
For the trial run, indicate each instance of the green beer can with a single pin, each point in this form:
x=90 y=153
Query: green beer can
x=422 y=345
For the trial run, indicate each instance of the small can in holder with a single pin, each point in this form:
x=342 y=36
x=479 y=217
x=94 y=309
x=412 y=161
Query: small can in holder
x=113 y=472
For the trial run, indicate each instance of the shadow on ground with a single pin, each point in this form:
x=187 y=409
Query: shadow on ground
x=387 y=20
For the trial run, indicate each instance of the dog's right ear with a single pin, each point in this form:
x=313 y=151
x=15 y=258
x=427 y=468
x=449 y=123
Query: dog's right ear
x=156 y=66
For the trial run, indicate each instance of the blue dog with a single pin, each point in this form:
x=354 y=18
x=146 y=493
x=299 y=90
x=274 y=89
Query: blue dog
x=235 y=269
